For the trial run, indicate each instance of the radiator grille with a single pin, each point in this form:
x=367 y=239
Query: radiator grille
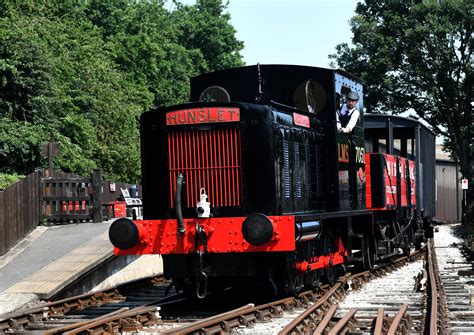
x=286 y=170
x=209 y=159
x=297 y=170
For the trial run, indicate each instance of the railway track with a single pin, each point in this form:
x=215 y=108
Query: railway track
x=136 y=305
x=294 y=315
x=391 y=295
x=116 y=308
x=380 y=301
x=456 y=281
x=390 y=305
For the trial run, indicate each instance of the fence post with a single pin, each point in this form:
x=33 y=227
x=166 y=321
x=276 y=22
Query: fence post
x=39 y=184
x=96 y=196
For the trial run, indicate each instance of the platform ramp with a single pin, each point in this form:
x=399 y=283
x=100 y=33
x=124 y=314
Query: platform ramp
x=59 y=274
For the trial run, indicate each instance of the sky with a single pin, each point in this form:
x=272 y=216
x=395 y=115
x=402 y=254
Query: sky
x=301 y=32
x=298 y=32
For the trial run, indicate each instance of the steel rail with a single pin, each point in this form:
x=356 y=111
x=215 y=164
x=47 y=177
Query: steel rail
x=312 y=311
x=433 y=313
x=62 y=329
x=141 y=315
x=398 y=321
x=223 y=322
x=300 y=325
x=346 y=321
x=211 y=321
x=379 y=322
x=437 y=311
x=119 y=320
x=325 y=321
x=246 y=315
x=44 y=311
x=321 y=299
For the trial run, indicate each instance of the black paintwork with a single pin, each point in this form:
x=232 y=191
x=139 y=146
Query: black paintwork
x=263 y=131
x=286 y=169
x=377 y=176
x=274 y=150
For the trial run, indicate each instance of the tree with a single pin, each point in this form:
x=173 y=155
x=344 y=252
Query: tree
x=20 y=146
x=417 y=56
x=205 y=27
x=81 y=73
x=57 y=73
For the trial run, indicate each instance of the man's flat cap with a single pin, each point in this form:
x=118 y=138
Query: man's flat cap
x=353 y=96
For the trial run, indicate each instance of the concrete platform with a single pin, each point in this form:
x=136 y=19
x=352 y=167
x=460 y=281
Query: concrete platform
x=51 y=258
x=49 y=280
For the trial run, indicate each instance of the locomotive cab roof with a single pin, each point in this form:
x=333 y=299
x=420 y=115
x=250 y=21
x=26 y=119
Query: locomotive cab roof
x=311 y=89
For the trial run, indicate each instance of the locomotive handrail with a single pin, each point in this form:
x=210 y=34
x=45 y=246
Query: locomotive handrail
x=177 y=201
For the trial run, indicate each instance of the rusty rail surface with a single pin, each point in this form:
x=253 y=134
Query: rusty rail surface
x=247 y=315
x=210 y=324
x=118 y=323
x=313 y=316
x=401 y=322
x=380 y=322
x=123 y=320
x=321 y=300
x=436 y=314
x=346 y=324
x=45 y=311
x=326 y=320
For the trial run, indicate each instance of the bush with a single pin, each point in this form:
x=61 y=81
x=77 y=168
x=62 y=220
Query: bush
x=7 y=180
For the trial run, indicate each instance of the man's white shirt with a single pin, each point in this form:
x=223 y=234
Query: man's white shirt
x=354 y=113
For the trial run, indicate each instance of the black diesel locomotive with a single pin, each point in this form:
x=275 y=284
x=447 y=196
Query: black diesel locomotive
x=252 y=180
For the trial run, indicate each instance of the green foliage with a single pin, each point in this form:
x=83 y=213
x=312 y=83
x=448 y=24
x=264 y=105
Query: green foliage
x=205 y=28
x=7 y=180
x=81 y=73
x=417 y=56
x=20 y=144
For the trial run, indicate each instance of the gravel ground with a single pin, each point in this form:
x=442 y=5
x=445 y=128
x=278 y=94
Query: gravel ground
x=389 y=292
x=458 y=289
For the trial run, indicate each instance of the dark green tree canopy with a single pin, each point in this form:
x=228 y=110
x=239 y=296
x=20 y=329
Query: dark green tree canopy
x=81 y=73
x=418 y=56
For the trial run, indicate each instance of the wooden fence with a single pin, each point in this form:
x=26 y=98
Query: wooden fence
x=67 y=197
x=52 y=198
x=19 y=210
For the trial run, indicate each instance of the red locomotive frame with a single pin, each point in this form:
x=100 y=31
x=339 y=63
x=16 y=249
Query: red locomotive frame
x=223 y=235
